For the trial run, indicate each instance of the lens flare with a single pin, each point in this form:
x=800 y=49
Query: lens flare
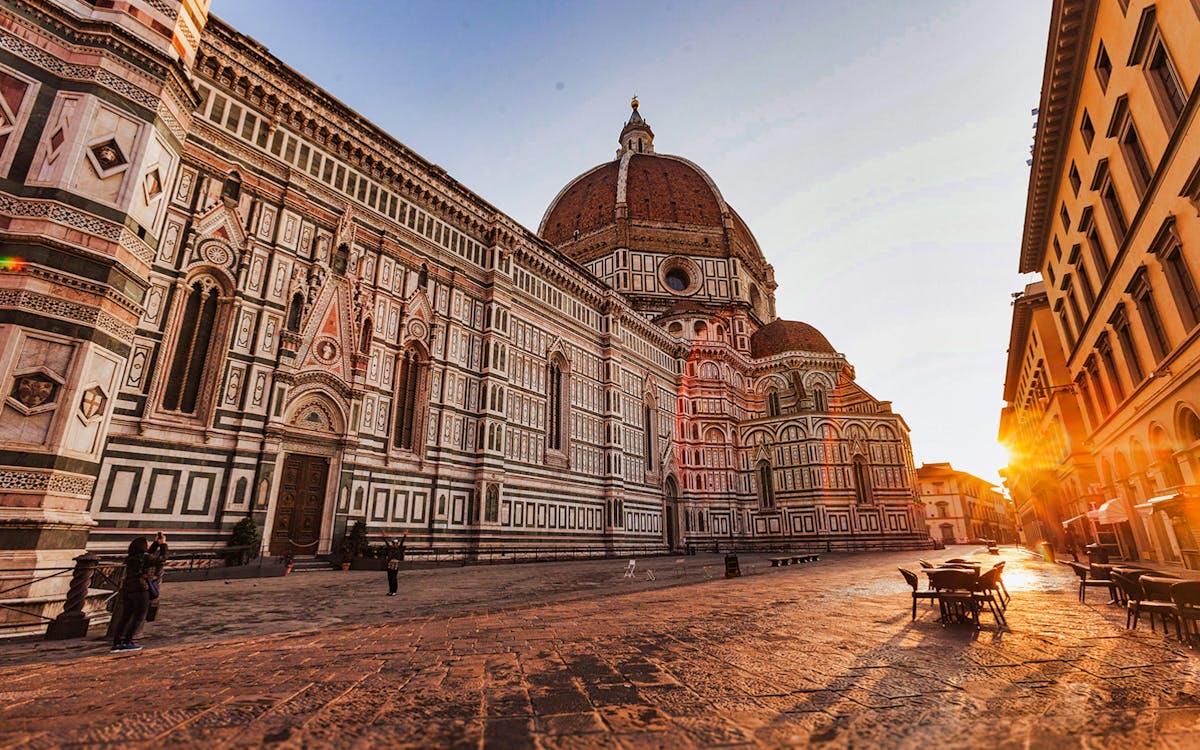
x=11 y=263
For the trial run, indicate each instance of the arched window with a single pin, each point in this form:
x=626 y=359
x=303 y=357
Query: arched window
x=1164 y=456
x=766 y=486
x=862 y=481
x=819 y=402
x=557 y=404
x=193 y=343
x=1189 y=427
x=231 y=191
x=491 y=510
x=943 y=510
x=409 y=383
x=295 y=310
x=649 y=435
x=773 y=403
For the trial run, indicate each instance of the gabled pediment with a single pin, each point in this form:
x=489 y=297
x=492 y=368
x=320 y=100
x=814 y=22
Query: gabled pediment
x=222 y=222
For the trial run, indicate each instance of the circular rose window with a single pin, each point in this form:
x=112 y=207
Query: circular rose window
x=680 y=275
x=677 y=279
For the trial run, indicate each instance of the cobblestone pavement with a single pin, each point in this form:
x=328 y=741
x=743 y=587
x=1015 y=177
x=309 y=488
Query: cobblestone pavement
x=820 y=654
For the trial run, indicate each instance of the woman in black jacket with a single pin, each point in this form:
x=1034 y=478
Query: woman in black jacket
x=135 y=594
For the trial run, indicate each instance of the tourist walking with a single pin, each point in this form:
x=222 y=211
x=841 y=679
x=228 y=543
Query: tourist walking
x=135 y=594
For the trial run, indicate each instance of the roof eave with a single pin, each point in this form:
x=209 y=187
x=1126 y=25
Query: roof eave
x=1070 y=34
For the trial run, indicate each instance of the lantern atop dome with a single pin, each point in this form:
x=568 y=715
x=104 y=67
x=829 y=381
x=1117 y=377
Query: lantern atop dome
x=636 y=137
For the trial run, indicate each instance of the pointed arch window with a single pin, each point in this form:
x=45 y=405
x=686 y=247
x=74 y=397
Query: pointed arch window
x=819 y=402
x=558 y=405
x=491 y=508
x=863 y=493
x=773 y=403
x=650 y=434
x=409 y=384
x=766 y=485
x=193 y=347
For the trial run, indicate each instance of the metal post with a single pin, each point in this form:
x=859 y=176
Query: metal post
x=73 y=623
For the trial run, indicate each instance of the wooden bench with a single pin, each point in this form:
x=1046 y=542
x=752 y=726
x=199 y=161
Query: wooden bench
x=777 y=561
x=811 y=557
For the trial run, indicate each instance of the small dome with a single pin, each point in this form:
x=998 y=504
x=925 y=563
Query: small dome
x=782 y=336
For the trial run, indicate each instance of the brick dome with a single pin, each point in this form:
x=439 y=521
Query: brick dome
x=782 y=336
x=654 y=187
x=646 y=194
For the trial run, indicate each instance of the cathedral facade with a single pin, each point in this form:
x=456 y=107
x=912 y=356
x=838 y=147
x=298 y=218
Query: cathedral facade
x=232 y=296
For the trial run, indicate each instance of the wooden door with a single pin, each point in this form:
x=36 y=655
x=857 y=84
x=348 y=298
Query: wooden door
x=300 y=505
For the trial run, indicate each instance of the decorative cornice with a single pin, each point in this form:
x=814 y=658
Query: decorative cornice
x=1066 y=60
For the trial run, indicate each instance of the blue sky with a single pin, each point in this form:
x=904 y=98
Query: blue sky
x=876 y=149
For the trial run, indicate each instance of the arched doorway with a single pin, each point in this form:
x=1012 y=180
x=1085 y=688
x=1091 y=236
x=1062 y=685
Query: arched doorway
x=671 y=513
x=300 y=519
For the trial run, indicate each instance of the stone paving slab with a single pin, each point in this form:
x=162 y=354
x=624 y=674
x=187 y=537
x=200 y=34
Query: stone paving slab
x=570 y=655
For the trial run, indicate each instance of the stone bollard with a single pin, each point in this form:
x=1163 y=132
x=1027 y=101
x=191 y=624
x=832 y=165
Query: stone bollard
x=73 y=623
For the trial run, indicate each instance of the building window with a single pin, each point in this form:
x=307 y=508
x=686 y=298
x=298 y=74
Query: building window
x=1135 y=155
x=648 y=435
x=1179 y=276
x=557 y=403
x=1085 y=395
x=409 y=384
x=1096 y=249
x=1064 y=325
x=1104 y=346
x=1073 y=303
x=773 y=403
x=491 y=505
x=1085 y=286
x=862 y=481
x=1075 y=179
x=1103 y=67
x=1149 y=51
x=1085 y=280
x=193 y=348
x=1103 y=184
x=1143 y=297
x=766 y=486
x=1087 y=130
x=819 y=402
x=1120 y=324
x=1066 y=220
x=1165 y=82
x=1097 y=388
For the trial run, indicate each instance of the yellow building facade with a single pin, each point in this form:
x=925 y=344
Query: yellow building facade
x=1102 y=390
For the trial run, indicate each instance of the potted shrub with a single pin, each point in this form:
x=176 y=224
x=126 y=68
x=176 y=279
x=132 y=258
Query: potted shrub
x=243 y=541
x=355 y=543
